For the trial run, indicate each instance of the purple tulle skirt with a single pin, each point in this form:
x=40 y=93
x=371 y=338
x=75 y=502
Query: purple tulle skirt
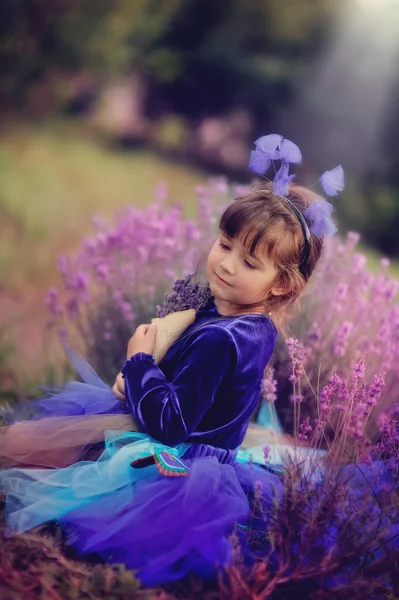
x=68 y=458
x=74 y=462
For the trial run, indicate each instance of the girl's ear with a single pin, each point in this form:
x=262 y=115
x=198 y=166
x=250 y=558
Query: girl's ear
x=278 y=291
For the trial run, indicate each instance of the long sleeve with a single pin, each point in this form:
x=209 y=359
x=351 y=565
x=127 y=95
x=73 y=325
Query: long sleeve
x=169 y=411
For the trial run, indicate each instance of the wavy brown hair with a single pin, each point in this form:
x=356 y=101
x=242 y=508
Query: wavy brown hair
x=263 y=220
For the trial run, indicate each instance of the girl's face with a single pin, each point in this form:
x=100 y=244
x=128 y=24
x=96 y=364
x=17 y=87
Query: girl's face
x=238 y=278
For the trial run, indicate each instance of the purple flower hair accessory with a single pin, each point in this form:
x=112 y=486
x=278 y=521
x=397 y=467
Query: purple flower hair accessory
x=318 y=214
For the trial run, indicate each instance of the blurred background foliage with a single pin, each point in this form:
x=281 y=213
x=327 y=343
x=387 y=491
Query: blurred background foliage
x=100 y=99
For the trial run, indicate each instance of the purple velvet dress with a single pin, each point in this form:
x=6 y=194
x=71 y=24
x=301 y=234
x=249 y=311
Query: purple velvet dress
x=207 y=386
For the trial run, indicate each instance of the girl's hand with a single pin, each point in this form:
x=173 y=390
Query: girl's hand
x=119 y=387
x=143 y=340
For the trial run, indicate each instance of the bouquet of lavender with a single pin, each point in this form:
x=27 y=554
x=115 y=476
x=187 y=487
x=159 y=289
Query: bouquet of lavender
x=185 y=294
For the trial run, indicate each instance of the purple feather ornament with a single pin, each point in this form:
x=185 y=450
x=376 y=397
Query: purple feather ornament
x=268 y=144
x=333 y=181
x=282 y=180
x=289 y=152
x=259 y=162
x=318 y=214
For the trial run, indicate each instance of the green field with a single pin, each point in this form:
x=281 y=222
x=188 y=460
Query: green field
x=53 y=179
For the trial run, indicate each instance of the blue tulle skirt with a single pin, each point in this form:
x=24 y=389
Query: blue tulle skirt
x=79 y=455
x=74 y=452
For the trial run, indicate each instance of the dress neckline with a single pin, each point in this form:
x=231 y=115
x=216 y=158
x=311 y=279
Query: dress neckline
x=210 y=305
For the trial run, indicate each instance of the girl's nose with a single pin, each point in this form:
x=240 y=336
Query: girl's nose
x=227 y=266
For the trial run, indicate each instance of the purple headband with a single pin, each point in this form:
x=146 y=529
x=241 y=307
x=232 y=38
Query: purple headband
x=276 y=147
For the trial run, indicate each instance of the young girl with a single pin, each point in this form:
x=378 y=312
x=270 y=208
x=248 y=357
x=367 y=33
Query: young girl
x=165 y=501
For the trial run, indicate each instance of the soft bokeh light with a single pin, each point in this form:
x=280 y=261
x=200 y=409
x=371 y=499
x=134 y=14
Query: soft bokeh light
x=376 y=6
x=344 y=105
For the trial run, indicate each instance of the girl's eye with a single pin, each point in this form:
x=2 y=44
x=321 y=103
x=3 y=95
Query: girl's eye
x=224 y=246
x=249 y=265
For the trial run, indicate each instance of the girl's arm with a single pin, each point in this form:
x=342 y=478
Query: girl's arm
x=170 y=411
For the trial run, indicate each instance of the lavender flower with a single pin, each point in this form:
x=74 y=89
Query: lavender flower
x=267 y=454
x=359 y=370
x=269 y=387
x=304 y=429
x=297 y=354
x=375 y=389
x=52 y=302
x=184 y=295
x=342 y=337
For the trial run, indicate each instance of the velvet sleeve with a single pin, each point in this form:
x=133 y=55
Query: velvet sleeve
x=169 y=411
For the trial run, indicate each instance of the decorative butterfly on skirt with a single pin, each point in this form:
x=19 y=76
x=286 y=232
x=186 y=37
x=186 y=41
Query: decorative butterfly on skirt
x=167 y=464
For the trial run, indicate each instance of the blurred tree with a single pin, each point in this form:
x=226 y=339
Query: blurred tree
x=198 y=58
x=41 y=37
x=198 y=45
x=239 y=52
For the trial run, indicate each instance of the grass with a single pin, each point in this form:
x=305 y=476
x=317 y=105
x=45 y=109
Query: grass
x=373 y=261
x=52 y=181
x=53 y=178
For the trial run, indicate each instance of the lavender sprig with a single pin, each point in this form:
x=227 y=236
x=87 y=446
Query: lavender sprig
x=184 y=295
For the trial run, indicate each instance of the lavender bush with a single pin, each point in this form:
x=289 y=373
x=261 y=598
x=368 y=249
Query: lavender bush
x=348 y=315
x=121 y=272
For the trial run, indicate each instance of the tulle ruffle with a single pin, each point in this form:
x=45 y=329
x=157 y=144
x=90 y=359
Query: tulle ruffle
x=162 y=527
x=63 y=427
x=68 y=424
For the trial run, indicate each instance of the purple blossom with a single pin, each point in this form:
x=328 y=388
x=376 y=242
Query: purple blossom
x=326 y=396
x=359 y=370
x=296 y=398
x=358 y=263
x=267 y=453
x=101 y=272
x=304 y=429
x=341 y=292
x=258 y=488
x=72 y=307
x=297 y=354
x=341 y=338
x=184 y=295
x=375 y=389
x=352 y=240
x=269 y=387
x=52 y=301
x=80 y=284
x=314 y=334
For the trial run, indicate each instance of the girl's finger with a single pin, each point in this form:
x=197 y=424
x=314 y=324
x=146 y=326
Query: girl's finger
x=142 y=329
x=117 y=392
x=120 y=383
x=152 y=330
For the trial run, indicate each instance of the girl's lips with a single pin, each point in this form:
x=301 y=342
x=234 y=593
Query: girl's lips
x=222 y=280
